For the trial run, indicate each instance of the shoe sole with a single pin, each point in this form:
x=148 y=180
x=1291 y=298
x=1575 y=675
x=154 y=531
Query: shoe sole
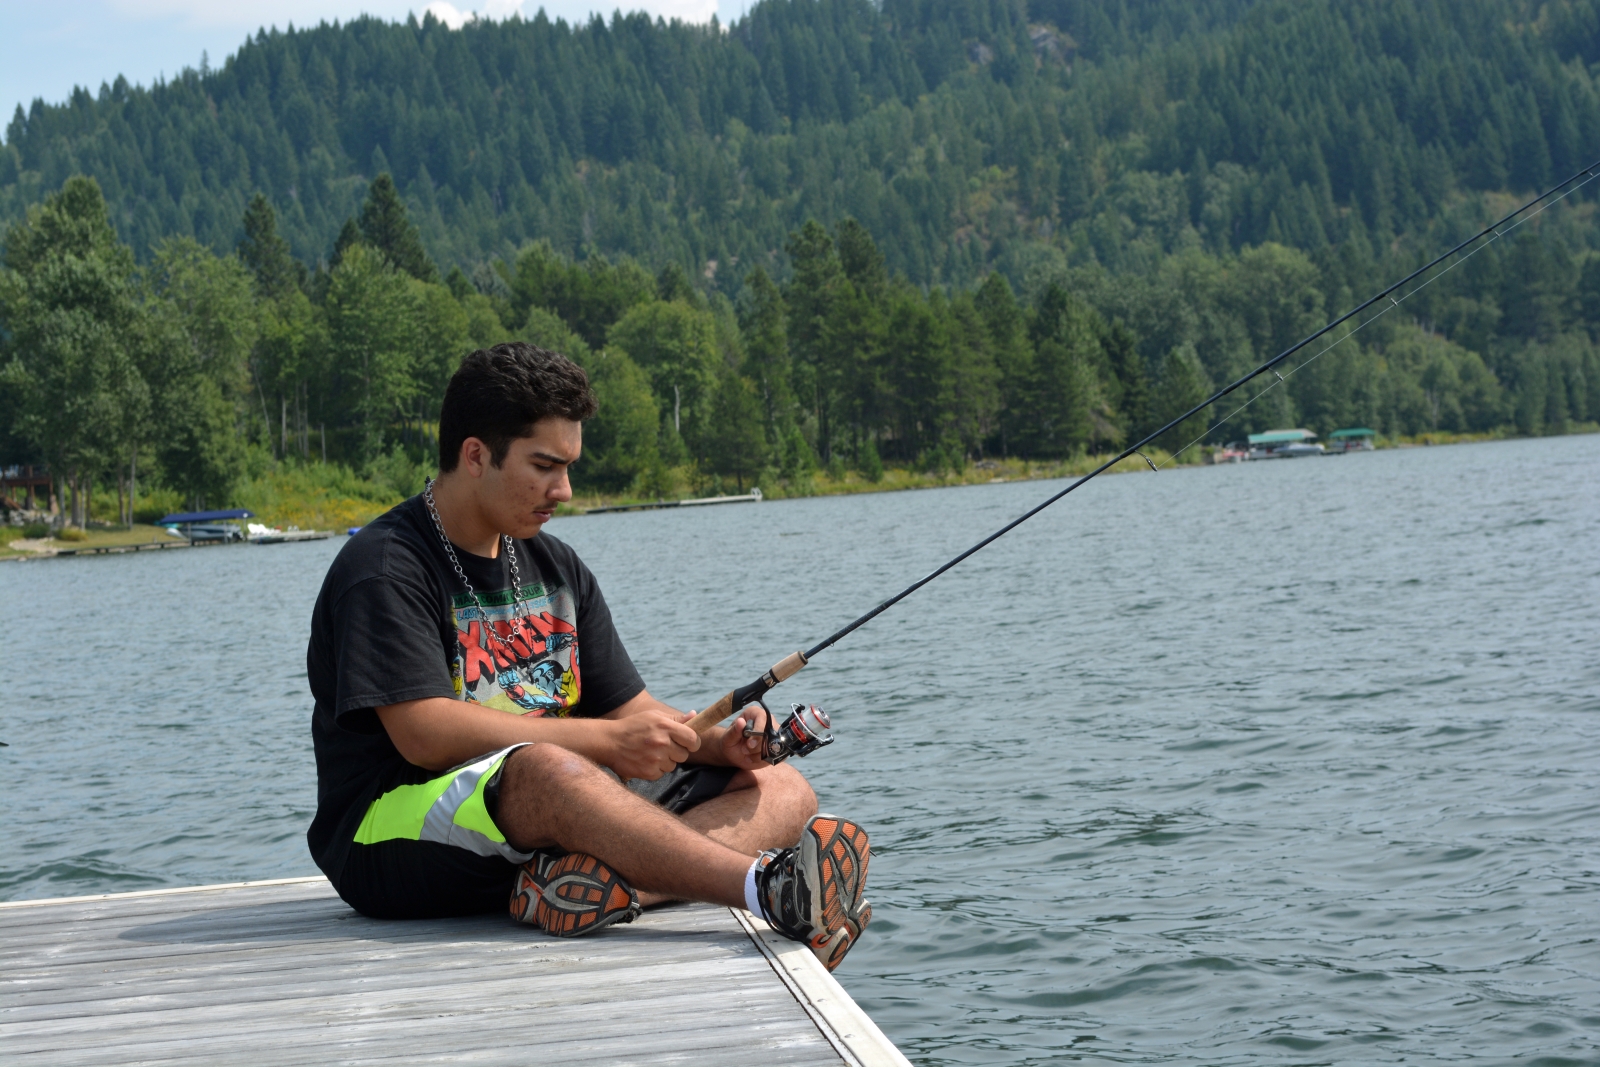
x=578 y=895
x=838 y=851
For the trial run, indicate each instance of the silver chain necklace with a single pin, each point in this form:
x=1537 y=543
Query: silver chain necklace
x=516 y=577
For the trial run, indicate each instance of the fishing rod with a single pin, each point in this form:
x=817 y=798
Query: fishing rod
x=806 y=729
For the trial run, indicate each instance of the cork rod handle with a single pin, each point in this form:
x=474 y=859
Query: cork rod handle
x=733 y=700
x=713 y=714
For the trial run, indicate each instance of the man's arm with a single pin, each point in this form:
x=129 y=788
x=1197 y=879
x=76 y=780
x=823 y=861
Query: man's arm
x=641 y=738
x=721 y=746
x=438 y=733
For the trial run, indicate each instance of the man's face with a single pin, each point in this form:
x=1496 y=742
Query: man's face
x=522 y=493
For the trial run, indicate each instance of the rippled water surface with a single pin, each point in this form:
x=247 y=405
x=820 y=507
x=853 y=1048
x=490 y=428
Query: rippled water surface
x=1274 y=763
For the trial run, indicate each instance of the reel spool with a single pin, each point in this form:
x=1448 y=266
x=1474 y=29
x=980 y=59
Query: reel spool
x=802 y=733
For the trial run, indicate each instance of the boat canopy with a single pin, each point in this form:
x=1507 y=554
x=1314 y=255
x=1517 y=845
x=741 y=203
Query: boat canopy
x=1339 y=435
x=205 y=516
x=1280 y=437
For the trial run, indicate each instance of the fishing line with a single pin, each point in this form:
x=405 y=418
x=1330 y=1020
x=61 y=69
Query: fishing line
x=1282 y=379
x=794 y=739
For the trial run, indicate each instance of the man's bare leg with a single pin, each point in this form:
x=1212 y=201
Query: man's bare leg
x=760 y=809
x=552 y=797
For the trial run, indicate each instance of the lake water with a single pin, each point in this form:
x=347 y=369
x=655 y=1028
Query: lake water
x=1289 y=762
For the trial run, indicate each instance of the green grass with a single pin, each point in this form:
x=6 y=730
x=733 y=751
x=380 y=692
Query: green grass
x=1504 y=433
x=1440 y=437
x=94 y=537
x=316 y=497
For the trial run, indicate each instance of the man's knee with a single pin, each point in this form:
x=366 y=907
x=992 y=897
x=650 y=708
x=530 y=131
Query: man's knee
x=783 y=784
x=542 y=768
x=542 y=788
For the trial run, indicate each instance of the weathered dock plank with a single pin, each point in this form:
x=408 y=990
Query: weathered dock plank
x=284 y=973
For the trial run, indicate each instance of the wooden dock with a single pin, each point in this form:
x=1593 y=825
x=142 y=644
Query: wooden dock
x=752 y=497
x=275 y=538
x=283 y=972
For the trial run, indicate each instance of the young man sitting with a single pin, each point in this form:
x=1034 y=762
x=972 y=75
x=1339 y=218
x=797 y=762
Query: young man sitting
x=482 y=736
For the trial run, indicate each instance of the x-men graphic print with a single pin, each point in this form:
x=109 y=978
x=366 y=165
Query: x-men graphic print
x=530 y=668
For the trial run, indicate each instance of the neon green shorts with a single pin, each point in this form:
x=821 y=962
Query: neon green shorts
x=433 y=848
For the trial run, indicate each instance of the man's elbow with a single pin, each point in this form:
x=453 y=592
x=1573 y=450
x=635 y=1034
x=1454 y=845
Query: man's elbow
x=416 y=744
x=428 y=756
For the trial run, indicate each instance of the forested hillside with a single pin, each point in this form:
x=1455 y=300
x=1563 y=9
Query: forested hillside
x=913 y=233
x=954 y=131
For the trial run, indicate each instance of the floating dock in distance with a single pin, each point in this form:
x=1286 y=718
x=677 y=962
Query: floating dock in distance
x=116 y=550
x=278 y=537
x=283 y=972
x=752 y=497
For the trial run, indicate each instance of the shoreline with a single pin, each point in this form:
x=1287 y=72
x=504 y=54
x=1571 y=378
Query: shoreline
x=895 y=479
x=899 y=479
x=996 y=472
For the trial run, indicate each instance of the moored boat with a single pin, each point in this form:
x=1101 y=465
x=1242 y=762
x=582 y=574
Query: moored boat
x=1358 y=439
x=1284 y=444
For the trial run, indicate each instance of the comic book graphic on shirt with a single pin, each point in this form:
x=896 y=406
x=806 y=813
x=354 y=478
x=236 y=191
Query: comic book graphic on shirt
x=534 y=673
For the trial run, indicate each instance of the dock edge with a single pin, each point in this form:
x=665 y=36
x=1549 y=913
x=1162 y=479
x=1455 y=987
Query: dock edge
x=850 y=1031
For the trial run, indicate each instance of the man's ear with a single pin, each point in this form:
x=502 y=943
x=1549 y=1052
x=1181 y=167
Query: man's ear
x=475 y=457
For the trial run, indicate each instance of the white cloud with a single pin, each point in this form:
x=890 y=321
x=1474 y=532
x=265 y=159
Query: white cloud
x=449 y=15
x=251 y=13
x=687 y=10
x=235 y=13
x=574 y=10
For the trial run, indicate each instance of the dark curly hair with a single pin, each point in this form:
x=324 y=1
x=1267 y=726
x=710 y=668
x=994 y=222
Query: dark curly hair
x=498 y=393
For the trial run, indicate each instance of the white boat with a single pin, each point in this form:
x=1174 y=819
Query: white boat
x=1352 y=440
x=271 y=535
x=1284 y=444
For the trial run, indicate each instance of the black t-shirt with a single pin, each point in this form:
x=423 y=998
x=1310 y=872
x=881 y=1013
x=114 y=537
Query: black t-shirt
x=393 y=623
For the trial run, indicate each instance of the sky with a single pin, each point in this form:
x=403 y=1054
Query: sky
x=47 y=48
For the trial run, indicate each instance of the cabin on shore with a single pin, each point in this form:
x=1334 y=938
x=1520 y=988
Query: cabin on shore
x=27 y=488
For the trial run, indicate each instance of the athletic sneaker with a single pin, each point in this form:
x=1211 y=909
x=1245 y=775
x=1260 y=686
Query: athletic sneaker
x=812 y=892
x=571 y=893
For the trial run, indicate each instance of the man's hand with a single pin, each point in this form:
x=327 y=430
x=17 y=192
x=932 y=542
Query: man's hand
x=442 y=732
x=743 y=752
x=649 y=743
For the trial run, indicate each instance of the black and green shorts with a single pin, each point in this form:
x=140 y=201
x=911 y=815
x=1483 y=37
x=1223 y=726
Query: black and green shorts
x=432 y=848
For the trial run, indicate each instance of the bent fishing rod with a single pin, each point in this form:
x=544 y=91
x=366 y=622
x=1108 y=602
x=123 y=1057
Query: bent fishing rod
x=806 y=729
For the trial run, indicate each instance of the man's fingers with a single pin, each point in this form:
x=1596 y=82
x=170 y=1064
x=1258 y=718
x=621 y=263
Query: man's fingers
x=684 y=736
x=751 y=720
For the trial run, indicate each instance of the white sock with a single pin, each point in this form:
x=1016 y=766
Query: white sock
x=752 y=898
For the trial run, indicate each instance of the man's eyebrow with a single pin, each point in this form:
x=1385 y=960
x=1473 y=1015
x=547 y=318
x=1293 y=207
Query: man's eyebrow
x=552 y=458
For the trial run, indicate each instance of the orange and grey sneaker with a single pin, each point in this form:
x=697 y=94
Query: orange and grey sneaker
x=570 y=894
x=812 y=892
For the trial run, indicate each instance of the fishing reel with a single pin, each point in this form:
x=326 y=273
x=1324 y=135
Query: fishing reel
x=802 y=733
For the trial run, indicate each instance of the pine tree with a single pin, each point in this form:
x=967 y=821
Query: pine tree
x=735 y=444
x=349 y=237
x=385 y=226
x=766 y=344
x=266 y=254
x=1132 y=398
